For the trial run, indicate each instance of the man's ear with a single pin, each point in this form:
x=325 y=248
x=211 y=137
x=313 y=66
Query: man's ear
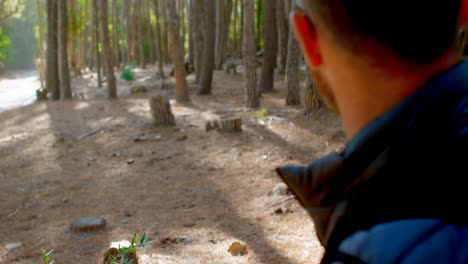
x=306 y=35
x=464 y=13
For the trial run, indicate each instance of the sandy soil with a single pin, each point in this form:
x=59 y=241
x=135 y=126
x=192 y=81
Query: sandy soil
x=194 y=197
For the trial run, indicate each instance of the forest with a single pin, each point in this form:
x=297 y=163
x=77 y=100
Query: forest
x=157 y=120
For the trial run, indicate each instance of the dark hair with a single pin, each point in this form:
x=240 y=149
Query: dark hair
x=416 y=30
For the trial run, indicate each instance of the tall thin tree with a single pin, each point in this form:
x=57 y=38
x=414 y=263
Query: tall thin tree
x=313 y=100
x=42 y=54
x=158 y=40
x=270 y=46
x=96 y=31
x=197 y=7
x=206 y=79
x=63 y=49
x=283 y=34
x=52 y=72
x=106 y=46
x=292 y=69
x=249 y=52
x=177 y=52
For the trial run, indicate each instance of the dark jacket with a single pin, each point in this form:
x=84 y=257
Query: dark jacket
x=398 y=192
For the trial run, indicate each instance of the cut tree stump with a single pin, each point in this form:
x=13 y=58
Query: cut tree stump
x=230 y=125
x=161 y=111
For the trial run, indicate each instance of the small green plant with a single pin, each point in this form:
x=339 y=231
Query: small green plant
x=127 y=74
x=262 y=113
x=46 y=257
x=123 y=252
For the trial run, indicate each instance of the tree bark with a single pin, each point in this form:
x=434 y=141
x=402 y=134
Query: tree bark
x=52 y=78
x=283 y=35
x=42 y=54
x=225 y=21
x=258 y=20
x=73 y=33
x=176 y=52
x=158 y=40
x=111 y=81
x=270 y=47
x=197 y=19
x=63 y=48
x=115 y=13
x=141 y=40
x=161 y=111
x=249 y=55
x=313 y=100
x=209 y=49
x=165 y=34
x=128 y=25
x=96 y=44
x=149 y=30
x=292 y=70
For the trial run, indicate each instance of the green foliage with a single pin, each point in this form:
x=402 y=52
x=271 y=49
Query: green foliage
x=124 y=251
x=46 y=257
x=128 y=74
x=5 y=48
x=260 y=114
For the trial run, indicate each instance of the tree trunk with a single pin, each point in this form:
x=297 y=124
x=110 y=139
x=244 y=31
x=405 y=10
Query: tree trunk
x=83 y=43
x=128 y=25
x=52 y=80
x=292 y=70
x=161 y=111
x=197 y=18
x=96 y=37
x=313 y=100
x=219 y=21
x=270 y=47
x=176 y=52
x=63 y=48
x=190 y=28
x=149 y=30
x=158 y=40
x=111 y=81
x=258 y=19
x=141 y=39
x=283 y=34
x=73 y=33
x=123 y=34
x=115 y=13
x=92 y=31
x=42 y=54
x=165 y=34
x=208 y=49
x=235 y=21
x=249 y=55
x=225 y=21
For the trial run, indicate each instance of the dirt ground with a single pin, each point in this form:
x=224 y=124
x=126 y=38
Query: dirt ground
x=193 y=196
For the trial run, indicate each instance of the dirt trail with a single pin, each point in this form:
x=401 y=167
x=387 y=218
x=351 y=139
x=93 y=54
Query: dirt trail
x=194 y=197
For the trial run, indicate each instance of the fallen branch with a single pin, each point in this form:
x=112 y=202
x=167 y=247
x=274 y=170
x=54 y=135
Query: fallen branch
x=16 y=211
x=90 y=133
x=282 y=201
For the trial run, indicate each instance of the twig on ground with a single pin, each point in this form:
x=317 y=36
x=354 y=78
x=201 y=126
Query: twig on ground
x=16 y=210
x=282 y=201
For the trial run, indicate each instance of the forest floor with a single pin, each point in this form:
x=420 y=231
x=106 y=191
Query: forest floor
x=194 y=192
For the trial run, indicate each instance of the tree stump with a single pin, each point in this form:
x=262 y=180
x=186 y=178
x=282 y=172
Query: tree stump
x=230 y=125
x=161 y=111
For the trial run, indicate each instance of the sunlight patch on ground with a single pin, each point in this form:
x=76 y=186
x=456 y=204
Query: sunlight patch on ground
x=18 y=92
x=81 y=106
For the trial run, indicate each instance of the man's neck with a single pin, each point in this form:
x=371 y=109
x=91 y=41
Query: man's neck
x=370 y=92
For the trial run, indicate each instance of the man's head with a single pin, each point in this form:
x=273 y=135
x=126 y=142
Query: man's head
x=384 y=48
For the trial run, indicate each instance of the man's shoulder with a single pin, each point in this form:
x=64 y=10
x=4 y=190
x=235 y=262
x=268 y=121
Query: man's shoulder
x=407 y=241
